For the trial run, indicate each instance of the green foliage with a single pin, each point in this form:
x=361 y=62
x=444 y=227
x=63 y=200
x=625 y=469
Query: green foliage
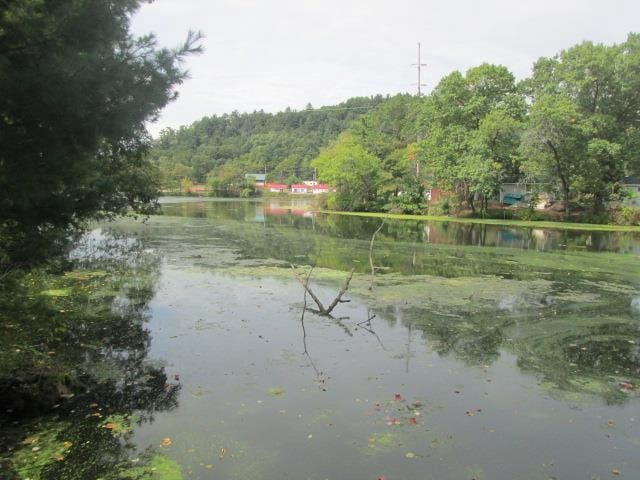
x=584 y=119
x=411 y=200
x=571 y=128
x=473 y=124
x=157 y=467
x=186 y=185
x=354 y=172
x=284 y=143
x=77 y=89
x=627 y=216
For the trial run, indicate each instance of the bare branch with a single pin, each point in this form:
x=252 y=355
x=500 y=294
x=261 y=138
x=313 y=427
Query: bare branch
x=321 y=308
x=338 y=299
x=373 y=238
x=305 y=284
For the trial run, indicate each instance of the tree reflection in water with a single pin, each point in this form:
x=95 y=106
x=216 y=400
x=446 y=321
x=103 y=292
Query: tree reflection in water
x=74 y=373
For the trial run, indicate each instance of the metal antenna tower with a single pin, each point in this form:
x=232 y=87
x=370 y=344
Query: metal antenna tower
x=419 y=65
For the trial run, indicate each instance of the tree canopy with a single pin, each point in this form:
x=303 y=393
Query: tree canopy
x=77 y=89
x=283 y=143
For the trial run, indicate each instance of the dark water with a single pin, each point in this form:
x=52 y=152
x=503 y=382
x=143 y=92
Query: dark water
x=490 y=353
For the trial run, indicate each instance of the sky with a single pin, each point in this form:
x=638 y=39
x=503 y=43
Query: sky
x=273 y=54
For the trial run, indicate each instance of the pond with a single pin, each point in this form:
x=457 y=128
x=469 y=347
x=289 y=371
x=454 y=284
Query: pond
x=472 y=352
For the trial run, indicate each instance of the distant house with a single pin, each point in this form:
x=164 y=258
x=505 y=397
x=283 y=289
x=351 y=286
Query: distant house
x=321 y=188
x=259 y=178
x=199 y=189
x=632 y=185
x=299 y=188
x=434 y=194
x=276 y=187
x=311 y=183
x=514 y=193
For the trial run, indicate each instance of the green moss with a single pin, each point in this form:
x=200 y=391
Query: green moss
x=157 y=467
x=57 y=292
x=84 y=275
x=276 y=391
x=119 y=425
x=45 y=446
x=381 y=442
x=461 y=293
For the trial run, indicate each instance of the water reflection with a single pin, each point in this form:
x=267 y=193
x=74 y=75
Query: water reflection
x=479 y=351
x=81 y=382
x=278 y=212
x=581 y=298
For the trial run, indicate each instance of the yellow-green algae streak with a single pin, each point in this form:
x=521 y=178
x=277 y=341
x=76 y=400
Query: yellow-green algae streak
x=494 y=221
x=40 y=449
x=473 y=316
x=158 y=467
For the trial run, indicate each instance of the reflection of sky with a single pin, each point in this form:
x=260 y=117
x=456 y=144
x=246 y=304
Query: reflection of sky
x=297 y=211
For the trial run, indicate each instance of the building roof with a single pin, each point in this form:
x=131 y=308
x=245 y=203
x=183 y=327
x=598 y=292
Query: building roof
x=299 y=185
x=258 y=177
x=276 y=185
x=322 y=186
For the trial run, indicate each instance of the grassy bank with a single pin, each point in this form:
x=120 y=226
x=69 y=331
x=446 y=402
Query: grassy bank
x=492 y=221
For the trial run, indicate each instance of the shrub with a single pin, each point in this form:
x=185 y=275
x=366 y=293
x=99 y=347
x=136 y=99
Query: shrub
x=627 y=216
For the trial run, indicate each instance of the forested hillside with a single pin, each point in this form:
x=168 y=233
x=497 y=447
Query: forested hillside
x=228 y=146
x=572 y=130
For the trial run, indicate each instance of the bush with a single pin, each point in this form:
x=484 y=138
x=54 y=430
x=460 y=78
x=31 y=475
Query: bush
x=442 y=207
x=627 y=216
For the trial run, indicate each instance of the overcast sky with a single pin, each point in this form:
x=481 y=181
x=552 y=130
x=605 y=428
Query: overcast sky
x=271 y=54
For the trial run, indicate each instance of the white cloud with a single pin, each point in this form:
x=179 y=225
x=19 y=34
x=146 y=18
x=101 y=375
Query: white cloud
x=278 y=53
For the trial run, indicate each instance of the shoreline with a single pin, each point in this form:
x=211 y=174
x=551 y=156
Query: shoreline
x=493 y=221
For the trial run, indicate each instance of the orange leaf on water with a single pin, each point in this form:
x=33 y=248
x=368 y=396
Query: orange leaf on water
x=166 y=442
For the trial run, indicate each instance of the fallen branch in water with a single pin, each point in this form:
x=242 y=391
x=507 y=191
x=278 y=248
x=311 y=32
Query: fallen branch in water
x=322 y=310
x=373 y=238
x=319 y=376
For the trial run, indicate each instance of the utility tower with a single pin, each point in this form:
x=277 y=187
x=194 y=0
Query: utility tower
x=419 y=65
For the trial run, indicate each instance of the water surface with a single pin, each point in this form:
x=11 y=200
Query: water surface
x=475 y=352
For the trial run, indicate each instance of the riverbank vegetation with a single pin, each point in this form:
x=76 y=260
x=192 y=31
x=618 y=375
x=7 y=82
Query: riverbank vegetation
x=73 y=140
x=77 y=90
x=568 y=134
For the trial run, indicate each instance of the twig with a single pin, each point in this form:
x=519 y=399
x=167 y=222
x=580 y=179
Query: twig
x=319 y=378
x=373 y=268
x=338 y=299
x=304 y=309
x=370 y=330
x=368 y=320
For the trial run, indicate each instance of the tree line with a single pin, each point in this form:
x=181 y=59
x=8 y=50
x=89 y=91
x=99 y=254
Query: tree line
x=221 y=149
x=571 y=127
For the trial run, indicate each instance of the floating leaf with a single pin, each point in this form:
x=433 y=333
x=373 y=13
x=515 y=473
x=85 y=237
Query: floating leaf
x=166 y=442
